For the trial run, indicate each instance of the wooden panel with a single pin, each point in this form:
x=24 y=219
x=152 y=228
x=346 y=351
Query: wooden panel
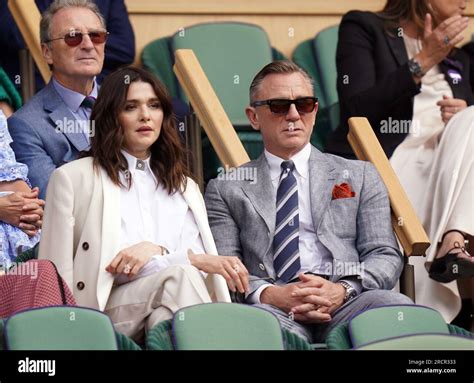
x=209 y=110
x=27 y=17
x=287 y=23
x=257 y=7
x=405 y=222
x=285 y=32
x=250 y=7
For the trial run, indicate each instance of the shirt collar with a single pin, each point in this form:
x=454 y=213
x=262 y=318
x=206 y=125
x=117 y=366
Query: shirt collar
x=71 y=98
x=300 y=159
x=132 y=163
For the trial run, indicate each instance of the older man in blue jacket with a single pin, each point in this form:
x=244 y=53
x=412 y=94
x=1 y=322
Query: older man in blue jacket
x=53 y=127
x=120 y=49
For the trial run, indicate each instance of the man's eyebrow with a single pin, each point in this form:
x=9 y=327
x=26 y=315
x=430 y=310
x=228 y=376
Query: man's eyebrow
x=78 y=30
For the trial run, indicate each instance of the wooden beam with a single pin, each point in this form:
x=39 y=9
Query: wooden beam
x=27 y=18
x=405 y=222
x=208 y=108
x=252 y=7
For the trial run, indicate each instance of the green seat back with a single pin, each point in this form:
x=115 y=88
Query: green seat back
x=304 y=57
x=125 y=343
x=230 y=54
x=159 y=338
x=422 y=342
x=157 y=58
x=338 y=338
x=59 y=328
x=226 y=326
x=391 y=321
x=8 y=91
x=328 y=114
x=325 y=44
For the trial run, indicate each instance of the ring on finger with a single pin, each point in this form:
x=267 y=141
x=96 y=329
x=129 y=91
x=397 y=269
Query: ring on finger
x=236 y=268
x=447 y=40
x=127 y=269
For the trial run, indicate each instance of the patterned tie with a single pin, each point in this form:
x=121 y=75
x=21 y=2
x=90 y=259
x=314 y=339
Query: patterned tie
x=286 y=259
x=88 y=102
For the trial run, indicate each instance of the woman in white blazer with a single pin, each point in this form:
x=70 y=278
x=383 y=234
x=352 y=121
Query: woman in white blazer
x=125 y=225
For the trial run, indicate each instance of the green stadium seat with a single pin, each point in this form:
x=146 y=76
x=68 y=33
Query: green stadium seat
x=231 y=53
x=422 y=342
x=386 y=322
x=318 y=57
x=158 y=58
x=223 y=326
x=304 y=57
x=59 y=328
x=325 y=45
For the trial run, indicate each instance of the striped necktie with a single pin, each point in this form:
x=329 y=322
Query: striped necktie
x=286 y=259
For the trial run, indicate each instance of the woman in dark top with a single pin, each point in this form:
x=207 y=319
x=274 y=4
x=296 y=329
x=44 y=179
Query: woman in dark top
x=400 y=69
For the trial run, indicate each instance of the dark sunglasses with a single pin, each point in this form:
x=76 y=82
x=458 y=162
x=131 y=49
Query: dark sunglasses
x=74 y=38
x=282 y=106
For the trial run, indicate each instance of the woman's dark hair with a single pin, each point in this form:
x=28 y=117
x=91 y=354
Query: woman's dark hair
x=167 y=154
x=396 y=11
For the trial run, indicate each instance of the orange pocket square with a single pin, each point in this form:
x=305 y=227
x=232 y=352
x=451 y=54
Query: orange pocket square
x=342 y=191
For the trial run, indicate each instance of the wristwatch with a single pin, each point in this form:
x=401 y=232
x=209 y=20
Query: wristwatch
x=415 y=68
x=350 y=291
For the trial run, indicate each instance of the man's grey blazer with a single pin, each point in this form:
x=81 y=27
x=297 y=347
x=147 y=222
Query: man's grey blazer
x=42 y=136
x=357 y=231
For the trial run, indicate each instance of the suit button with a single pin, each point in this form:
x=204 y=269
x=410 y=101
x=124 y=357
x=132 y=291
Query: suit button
x=85 y=246
x=261 y=266
x=80 y=285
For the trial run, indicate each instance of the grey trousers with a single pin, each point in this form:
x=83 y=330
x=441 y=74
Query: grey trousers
x=316 y=333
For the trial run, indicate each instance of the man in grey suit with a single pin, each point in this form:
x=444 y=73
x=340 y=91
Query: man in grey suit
x=53 y=127
x=313 y=229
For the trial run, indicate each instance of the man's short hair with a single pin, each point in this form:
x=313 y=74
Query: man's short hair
x=57 y=5
x=277 y=67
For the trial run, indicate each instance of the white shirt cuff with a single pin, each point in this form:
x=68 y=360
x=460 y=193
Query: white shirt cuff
x=254 y=297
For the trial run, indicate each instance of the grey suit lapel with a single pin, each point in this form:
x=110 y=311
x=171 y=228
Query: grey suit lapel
x=63 y=120
x=261 y=193
x=321 y=181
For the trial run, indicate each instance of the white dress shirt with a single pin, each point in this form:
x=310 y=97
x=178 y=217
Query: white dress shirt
x=149 y=213
x=314 y=256
x=73 y=101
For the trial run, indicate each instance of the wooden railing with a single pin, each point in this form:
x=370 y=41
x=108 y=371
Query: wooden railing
x=27 y=18
x=208 y=109
x=405 y=222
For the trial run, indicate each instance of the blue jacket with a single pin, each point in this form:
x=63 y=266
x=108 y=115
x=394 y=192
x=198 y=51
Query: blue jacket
x=41 y=140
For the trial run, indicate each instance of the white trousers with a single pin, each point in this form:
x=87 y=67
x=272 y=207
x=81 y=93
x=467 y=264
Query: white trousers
x=137 y=306
x=438 y=177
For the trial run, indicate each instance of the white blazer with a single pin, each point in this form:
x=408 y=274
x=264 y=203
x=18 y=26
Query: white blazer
x=81 y=231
